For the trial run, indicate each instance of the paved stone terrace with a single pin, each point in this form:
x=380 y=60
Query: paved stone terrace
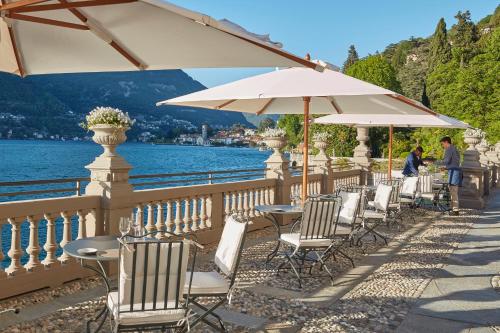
x=380 y=295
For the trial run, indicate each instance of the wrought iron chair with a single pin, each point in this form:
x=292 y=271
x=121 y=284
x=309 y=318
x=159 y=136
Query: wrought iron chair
x=394 y=207
x=379 y=214
x=426 y=191
x=151 y=280
x=317 y=233
x=219 y=284
x=408 y=197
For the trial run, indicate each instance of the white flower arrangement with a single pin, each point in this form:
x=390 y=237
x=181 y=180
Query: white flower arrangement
x=273 y=133
x=321 y=136
x=107 y=116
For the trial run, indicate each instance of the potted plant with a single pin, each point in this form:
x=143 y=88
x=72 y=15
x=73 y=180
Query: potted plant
x=321 y=141
x=109 y=126
x=274 y=138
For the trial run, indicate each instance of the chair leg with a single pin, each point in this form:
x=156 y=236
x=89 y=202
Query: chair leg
x=320 y=259
x=208 y=311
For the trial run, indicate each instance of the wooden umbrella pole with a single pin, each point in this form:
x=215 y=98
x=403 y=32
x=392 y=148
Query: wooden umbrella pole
x=305 y=149
x=389 y=171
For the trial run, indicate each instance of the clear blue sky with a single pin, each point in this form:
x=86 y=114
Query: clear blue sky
x=326 y=28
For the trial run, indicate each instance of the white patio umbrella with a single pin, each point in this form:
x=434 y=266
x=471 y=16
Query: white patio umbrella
x=47 y=36
x=302 y=91
x=391 y=121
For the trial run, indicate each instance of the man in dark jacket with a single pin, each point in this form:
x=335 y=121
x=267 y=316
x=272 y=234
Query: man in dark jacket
x=413 y=161
x=451 y=163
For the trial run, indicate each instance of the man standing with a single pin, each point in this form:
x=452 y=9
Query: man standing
x=413 y=161
x=451 y=163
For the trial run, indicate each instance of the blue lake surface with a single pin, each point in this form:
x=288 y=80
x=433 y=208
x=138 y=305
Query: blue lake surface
x=34 y=160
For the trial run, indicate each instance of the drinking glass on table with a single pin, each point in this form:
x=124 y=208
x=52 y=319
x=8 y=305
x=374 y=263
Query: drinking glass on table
x=295 y=198
x=124 y=225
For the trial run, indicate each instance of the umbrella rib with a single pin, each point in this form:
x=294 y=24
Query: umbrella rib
x=334 y=104
x=70 y=5
x=406 y=100
x=85 y=19
x=41 y=20
x=264 y=108
x=18 y=4
x=218 y=107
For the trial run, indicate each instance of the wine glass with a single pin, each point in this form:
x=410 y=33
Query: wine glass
x=124 y=226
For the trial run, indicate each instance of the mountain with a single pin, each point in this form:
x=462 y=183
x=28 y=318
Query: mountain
x=55 y=104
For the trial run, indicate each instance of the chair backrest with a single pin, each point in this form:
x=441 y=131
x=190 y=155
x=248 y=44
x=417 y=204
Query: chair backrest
x=320 y=217
x=227 y=256
x=349 y=207
x=425 y=183
x=409 y=186
x=382 y=197
x=396 y=189
x=152 y=275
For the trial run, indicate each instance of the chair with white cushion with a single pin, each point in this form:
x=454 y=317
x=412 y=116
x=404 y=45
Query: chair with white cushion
x=347 y=224
x=426 y=191
x=408 y=196
x=151 y=280
x=219 y=284
x=316 y=235
x=373 y=218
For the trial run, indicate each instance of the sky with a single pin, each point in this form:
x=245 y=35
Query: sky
x=326 y=28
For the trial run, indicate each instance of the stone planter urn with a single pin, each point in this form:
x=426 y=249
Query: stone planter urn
x=483 y=148
x=472 y=137
x=276 y=143
x=321 y=145
x=109 y=137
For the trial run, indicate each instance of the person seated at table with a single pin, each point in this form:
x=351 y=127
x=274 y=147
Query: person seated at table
x=412 y=162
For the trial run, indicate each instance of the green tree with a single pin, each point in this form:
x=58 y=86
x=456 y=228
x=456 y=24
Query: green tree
x=440 y=49
x=352 y=57
x=266 y=123
x=341 y=139
x=465 y=35
x=375 y=69
x=293 y=126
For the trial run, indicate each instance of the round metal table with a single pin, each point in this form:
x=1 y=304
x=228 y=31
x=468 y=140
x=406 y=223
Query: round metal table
x=270 y=213
x=107 y=250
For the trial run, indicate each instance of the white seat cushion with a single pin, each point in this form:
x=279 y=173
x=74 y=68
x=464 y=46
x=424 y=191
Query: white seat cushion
x=428 y=196
x=371 y=214
x=294 y=239
x=138 y=317
x=229 y=246
x=206 y=283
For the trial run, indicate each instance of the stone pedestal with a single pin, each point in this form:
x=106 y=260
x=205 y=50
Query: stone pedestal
x=362 y=154
x=472 y=191
x=323 y=165
x=109 y=174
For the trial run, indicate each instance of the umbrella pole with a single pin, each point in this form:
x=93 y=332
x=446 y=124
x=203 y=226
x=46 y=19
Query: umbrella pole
x=389 y=171
x=305 y=149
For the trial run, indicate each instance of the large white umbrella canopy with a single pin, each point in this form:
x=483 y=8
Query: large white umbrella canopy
x=48 y=36
x=303 y=90
x=391 y=120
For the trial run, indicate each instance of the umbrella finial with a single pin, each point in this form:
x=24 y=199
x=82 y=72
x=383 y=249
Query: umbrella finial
x=308 y=56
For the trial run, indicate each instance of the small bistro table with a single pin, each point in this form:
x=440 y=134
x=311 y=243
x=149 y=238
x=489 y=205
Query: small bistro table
x=270 y=213
x=107 y=250
x=442 y=195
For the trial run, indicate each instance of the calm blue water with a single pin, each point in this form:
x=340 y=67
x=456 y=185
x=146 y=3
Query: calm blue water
x=32 y=160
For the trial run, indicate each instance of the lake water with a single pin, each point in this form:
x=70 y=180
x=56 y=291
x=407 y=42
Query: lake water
x=34 y=160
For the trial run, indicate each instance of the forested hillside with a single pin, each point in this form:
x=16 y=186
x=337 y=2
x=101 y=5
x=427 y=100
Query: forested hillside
x=455 y=71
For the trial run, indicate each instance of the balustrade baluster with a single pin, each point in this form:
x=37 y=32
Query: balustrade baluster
x=203 y=212
x=271 y=195
x=66 y=236
x=227 y=204
x=187 y=216
x=240 y=203
x=139 y=217
x=262 y=196
x=150 y=225
x=251 y=203
x=15 y=253
x=50 y=244
x=209 y=211
x=82 y=224
x=178 y=220
x=34 y=247
x=170 y=219
x=257 y=201
x=160 y=223
x=246 y=208
x=195 y=216
x=234 y=202
x=2 y=257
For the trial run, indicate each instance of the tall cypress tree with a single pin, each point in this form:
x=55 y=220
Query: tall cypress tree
x=440 y=49
x=464 y=38
x=352 y=57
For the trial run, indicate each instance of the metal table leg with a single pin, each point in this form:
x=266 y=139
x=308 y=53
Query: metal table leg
x=270 y=217
x=104 y=312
